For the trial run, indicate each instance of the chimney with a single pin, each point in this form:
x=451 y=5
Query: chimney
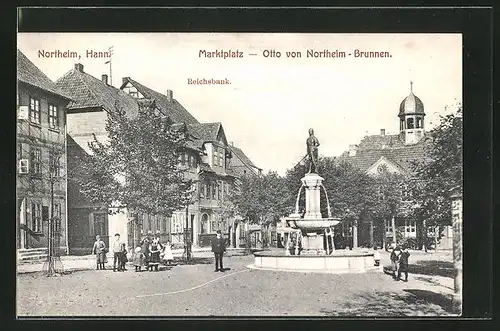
x=79 y=67
x=232 y=143
x=352 y=150
x=104 y=79
x=382 y=132
x=125 y=80
x=170 y=95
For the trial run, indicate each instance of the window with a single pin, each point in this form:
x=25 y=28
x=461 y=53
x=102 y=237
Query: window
x=388 y=226
x=410 y=228
x=158 y=227
x=202 y=190
x=34 y=110
x=216 y=156
x=221 y=158
x=55 y=166
x=410 y=123
x=219 y=190
x=176 y=224
x=36 y=161
x=420 y=123
x=401 y=125
x=208 y=194
x=99 y=225
x=53 y=118
x=204 y=223
x=163 y=227
x=214 y=191
x=56 y=217
x=36 y=217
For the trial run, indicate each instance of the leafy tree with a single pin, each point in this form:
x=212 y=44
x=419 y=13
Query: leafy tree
x=439 y=171
x=137 y=167
x=261 y=199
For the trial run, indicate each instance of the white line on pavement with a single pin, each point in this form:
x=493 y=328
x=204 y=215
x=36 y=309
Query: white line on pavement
x=192 y=288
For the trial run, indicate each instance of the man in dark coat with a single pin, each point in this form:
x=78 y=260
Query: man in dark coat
x=403 y=263
x=219 y=247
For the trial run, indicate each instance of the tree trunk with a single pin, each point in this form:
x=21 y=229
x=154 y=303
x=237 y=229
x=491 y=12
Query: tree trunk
x=393 y=224
x=371 y=233
x=436 y=229
x=355 y=234
x=424 y=236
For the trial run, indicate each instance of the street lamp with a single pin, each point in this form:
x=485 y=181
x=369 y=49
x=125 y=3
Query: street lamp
x=188 y=195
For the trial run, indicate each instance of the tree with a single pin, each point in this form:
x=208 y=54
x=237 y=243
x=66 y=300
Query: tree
x=259 y=199
x=137 y=167
x=387 y=204
x=440 y=170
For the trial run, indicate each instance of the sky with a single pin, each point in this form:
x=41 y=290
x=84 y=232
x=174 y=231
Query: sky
x=272 y=102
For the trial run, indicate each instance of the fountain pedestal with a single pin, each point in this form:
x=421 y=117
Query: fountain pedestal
x=312 y=182
x=312 y=244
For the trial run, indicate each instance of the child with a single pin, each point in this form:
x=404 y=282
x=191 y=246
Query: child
x=167 y=253
x=99 y=250
x=138 y=259
x=154 y=259
x=123 y=257
x=376 y=256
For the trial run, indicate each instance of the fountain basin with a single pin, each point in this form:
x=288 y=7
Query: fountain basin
x=342 y=261
x=314 y=224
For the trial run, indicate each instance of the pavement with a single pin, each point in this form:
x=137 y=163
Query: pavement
x=87 y=262
x=196 y=290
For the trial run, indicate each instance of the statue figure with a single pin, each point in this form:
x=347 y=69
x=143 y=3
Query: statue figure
x=312 y=151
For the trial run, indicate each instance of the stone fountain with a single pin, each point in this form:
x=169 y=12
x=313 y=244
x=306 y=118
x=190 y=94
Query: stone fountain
x=312 y=228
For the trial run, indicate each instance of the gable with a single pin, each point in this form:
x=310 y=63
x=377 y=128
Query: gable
x=383 y=163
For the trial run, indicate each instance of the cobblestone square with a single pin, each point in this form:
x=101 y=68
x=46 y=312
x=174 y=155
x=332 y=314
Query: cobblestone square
x=196 y=290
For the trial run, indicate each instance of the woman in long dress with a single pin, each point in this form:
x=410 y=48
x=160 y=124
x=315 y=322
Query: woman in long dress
x=99 y=250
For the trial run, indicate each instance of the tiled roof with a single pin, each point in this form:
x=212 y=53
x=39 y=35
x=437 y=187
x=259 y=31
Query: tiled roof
x=172 y=108
x=88 y=92
x=372 y=148
x=205 y=131
x=242 y=156
x=28 y=73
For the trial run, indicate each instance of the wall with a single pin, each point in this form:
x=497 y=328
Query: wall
x=37 y=187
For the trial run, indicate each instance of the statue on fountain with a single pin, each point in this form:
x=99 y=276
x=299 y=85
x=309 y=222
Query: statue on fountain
x=312 y=151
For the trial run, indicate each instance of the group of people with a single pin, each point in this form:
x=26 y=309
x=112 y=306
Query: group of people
x=399 y=262
x=149 y=254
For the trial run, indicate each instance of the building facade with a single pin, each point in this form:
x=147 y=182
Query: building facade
x=92 y=100
x=394 y=153
x=41 y=159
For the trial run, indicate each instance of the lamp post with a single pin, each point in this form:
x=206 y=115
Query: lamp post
x=187 y=238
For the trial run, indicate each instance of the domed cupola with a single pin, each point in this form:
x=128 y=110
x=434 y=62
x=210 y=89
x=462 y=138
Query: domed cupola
x=411 y=105
x=411 y=118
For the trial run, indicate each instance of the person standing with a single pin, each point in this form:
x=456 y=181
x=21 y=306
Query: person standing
x=99 y=250
x=403 y=263
x=154 y=249
x=145 y=250
x=117 y=252
x=218 y=248
x=167 y=253
x=396 y=252
x=123 y=257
